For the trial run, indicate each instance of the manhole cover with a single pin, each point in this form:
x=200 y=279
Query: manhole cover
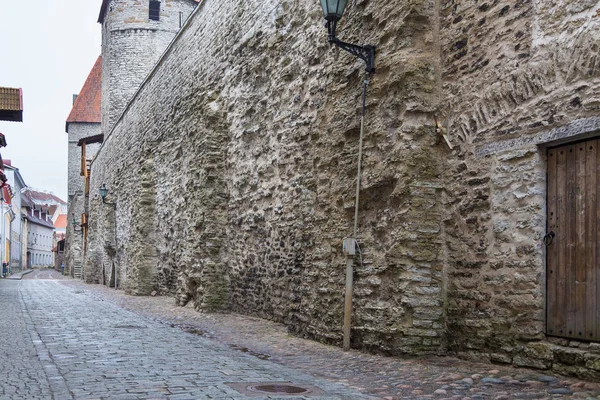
x=278 y=389
x=129 y=327
x=275 y=388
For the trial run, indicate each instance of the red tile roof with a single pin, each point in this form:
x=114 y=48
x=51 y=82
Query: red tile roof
x=41 y=197
x=87 y=105
x=61 y=221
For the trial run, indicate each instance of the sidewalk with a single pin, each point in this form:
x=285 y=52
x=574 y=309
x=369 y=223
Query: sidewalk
x=389 y=378
x=17 y=276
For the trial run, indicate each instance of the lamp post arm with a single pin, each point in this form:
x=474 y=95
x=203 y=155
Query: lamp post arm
x=114 y=204
x=365 y=53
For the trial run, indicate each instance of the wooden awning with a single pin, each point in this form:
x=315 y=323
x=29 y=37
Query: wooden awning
x=91 y=139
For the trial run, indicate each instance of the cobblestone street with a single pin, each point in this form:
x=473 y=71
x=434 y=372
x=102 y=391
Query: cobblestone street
x=65 y=342
x=64 y=339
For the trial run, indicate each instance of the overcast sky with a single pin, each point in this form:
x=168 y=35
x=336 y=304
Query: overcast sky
x=47 y=47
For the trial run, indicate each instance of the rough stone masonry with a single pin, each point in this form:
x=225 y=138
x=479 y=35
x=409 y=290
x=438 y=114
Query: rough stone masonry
x=234 y=166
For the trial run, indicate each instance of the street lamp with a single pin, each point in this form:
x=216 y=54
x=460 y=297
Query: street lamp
x=333 y=10
x=103 y=194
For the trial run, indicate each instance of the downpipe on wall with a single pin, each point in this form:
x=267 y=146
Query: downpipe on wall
x=114 y=266
x=350 y=244
x=333 y=11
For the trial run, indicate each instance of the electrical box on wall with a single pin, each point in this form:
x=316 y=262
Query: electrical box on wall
x=349 y=246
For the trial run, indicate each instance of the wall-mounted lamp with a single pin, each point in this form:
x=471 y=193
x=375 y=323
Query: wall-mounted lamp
x=103 y=194
x=333 y=10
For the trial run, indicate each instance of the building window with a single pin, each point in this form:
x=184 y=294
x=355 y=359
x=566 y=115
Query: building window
x=154 y=10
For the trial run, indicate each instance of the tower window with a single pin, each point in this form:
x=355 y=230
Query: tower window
x=154 y=10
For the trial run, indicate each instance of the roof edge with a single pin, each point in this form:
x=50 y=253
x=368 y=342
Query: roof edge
x=103 y=11
x=91 y=139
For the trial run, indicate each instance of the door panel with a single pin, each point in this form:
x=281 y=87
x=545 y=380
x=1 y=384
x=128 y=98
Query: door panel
x=573 y=287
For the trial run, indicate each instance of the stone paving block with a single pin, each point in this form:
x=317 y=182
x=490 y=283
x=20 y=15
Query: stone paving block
x=93 y=349
x=110 y=360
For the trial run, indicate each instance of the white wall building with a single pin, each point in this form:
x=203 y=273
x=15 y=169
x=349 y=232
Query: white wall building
x=11 y=228
x=41 y=210
x=39 y=242
x=39 y=236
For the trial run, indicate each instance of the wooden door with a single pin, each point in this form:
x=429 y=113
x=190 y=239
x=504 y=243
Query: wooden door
x=573 y=242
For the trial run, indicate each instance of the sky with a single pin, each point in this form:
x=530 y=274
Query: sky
x=47 y=47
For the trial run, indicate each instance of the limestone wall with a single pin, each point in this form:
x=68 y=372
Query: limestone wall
x=234 y=172
x=518 y=76
x=234 y=169
x=74 y=237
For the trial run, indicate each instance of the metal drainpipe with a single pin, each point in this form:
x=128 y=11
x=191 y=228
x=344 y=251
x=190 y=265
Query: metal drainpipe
x=350 y=258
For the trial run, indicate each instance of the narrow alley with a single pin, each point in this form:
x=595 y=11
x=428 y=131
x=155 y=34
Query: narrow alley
x=125 y=347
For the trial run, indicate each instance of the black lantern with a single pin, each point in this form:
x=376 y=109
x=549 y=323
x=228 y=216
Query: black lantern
x=103 y=194
x=333 y=10
x=73 y=221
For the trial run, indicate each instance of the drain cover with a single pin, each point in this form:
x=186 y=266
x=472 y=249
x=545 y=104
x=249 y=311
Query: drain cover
x=278 y=389
x=275 y=388
x=129 y=327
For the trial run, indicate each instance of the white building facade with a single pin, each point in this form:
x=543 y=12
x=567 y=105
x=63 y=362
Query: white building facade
x=39 y=243
x=11 y=223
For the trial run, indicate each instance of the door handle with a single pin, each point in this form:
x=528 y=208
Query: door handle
x=549 y=238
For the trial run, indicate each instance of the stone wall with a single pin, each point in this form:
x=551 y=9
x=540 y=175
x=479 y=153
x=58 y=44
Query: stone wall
x=518 y=76
x=234 y=170
x=73 y=256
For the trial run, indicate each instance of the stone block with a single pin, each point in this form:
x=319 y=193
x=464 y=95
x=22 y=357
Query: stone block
x=429 y=313
x=595 y=348
x=500 y=358
x=593 y=362
x=569 y=356
x=531 y=362
x=427 y=290
x=422 y=324
x=540 y=351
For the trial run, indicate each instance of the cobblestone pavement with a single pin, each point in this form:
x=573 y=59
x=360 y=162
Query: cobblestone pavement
x=385 y=377
x=64 y=342
x=190 y=335
x=22 y=373
x=43 y=274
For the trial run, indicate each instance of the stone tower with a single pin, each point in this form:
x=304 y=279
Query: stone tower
x=83 y=122
x=134 y=35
